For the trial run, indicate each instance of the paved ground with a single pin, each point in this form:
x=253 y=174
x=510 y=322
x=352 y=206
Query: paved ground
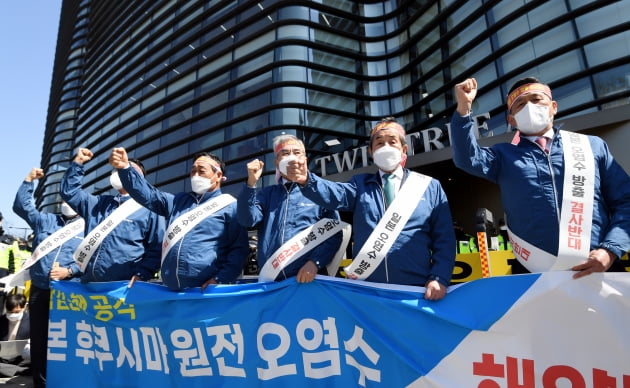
x=17 y=381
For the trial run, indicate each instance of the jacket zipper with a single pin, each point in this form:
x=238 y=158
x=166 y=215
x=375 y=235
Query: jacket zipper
x=553 y=181
x=284 y=220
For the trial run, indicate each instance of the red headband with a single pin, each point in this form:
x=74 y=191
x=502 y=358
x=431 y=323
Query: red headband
x=210 y=161
x=388 y=125
x=286 y=143
x=526 y=89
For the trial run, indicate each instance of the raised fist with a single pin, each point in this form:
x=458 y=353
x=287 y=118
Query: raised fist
x=83 y=155
x=35 y=173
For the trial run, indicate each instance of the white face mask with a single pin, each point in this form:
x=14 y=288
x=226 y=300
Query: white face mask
x=387 y=158
x=532 y=119
x=67 y=211
x=282 y=164
x=200 y=185
x=13 y=317
x=114 y=180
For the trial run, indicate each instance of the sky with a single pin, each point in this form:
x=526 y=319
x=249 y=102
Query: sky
x=28 y=36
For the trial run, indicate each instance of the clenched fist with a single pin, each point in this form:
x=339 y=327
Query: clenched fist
x=118 y=158
x=254 y=171
x=35 y=173
x=83 y=155
x=465 y=93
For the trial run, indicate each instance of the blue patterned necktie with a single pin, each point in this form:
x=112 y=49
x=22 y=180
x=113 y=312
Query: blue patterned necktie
x=389 y=188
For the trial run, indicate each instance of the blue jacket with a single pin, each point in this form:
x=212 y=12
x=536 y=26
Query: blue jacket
x=43 y=225
x=425 y=248
x=132 y=248
x=216 y=248
x=531 y=185
x=280 y=215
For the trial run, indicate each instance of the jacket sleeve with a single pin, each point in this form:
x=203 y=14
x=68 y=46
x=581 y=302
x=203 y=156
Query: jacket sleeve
x=443 y=242
x=72 y=192
x=228 y=268
x=144 y=193
x=249 y=209
x=24 y=206
x=615 y=187
x=330 y=195
x=467 y=154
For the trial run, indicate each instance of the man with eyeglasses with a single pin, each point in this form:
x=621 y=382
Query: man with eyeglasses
x=203 y=243
x=566 y=199
x=281 y=212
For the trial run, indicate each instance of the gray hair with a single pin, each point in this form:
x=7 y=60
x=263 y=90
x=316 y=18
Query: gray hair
x=283 y=139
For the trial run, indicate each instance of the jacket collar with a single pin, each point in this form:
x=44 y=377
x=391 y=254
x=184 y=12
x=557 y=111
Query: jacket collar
x=376 y=177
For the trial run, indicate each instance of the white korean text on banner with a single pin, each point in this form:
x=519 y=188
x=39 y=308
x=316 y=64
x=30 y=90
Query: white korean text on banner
x=534 y=330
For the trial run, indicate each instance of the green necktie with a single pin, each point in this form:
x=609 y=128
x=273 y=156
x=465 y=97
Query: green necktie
x=389 y=189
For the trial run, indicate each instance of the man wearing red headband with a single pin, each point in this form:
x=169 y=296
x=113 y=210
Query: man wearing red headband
x=203 y=242
x=567 y=201
x=402 y=225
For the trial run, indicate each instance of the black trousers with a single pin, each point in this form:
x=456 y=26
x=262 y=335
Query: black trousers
x=38 y=303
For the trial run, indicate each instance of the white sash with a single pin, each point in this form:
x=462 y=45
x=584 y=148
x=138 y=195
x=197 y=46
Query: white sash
x=576 y=218
x=50 y=243
x=93 y=240
x=534 y=259
x=304 y=242
x=380 y=241
x=576 y=215
x=185 y=222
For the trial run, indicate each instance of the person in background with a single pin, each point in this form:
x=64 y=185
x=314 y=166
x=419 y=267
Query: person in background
x=410 y=209
x=281 y=211
x=15 y=326
x=122 y=239
x=13 y=256
x=204 y=243
x=15 y=323
x=547 y=178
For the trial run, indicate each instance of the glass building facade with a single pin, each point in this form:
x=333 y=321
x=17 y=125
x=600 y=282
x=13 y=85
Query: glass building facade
x=168 y=78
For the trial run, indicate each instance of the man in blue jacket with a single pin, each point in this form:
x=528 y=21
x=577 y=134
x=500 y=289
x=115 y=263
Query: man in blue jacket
x=52 y=259
x=122 y=239
x=281 y=211
x=566 y=199
x=403 y=230
x=204 y=243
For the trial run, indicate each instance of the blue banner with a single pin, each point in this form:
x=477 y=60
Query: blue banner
x=330 y=332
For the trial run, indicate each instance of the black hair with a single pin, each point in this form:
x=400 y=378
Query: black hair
x=211 y=156
x=525 y=81
x=139 y=164
x=15 y=300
